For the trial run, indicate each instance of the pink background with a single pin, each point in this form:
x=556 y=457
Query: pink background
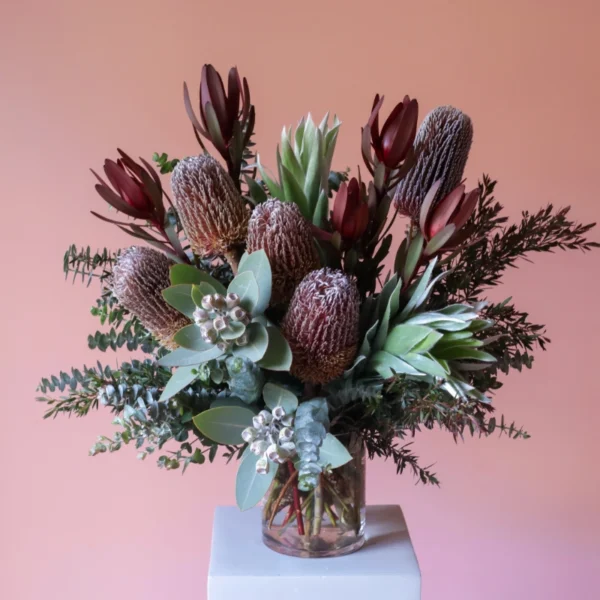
x=514 y=519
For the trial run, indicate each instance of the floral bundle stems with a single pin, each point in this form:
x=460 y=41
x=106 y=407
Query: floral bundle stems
x=277 y=333
x=296 y=494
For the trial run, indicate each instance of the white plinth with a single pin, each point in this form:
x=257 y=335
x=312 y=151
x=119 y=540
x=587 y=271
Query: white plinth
x=243 y=568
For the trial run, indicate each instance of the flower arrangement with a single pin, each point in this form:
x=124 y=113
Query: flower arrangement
x=283 y=321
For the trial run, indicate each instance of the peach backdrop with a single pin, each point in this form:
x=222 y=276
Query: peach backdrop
x=513 y=519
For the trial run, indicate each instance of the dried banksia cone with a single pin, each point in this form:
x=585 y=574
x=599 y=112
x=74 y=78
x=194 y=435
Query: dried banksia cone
x=138 y=279
x=212 y=212
x=442 y=145
x=321 y=325
x=284 y=234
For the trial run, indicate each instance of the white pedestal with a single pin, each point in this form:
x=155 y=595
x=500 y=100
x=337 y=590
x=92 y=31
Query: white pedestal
x=243 y=568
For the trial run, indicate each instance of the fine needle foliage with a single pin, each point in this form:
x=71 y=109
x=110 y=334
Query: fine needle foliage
x=255 y=318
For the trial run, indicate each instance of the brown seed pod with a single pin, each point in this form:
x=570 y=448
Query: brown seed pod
x=212 y=212
x=442 y=146
x=284 y=234
x=138 y=278
x=321 y=325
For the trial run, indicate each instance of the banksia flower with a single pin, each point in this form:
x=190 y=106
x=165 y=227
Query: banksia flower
x=321 y=325
x=138 y=279
x=442 y=146
x=284 y=234
x=212 y=212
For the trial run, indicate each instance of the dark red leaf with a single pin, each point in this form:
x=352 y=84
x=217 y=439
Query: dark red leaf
x=233 y=94
x=117 y=202
x=190 y=111
x=216 y=97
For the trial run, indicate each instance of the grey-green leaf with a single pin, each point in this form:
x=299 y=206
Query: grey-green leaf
x=180 y=298
x=224 y=424
x=257 y=345
x=278 y=356
x=190 y=337
x=333 y=453
x=275 y=395
x=246 y=287
x=180 y=379
x=258 y=264
x=250 y=486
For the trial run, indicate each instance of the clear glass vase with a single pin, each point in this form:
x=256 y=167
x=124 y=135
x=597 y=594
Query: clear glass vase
x=327 y=521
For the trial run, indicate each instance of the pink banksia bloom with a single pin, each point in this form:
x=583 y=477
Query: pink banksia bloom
x=285 y=235
x=321 y=325
x=212 y=211
x=442 y=148
x=138 y=278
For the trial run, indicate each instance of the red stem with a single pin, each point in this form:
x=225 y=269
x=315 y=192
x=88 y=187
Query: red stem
x=288 y=516
x=296 y=494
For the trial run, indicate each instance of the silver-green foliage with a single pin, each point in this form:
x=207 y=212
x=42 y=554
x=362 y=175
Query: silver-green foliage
x=245 y=380
x=303 y=166
x=310 y=426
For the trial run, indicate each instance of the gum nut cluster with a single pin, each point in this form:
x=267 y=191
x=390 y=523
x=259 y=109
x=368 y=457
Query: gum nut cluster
x=221 y=316
x=270 y=437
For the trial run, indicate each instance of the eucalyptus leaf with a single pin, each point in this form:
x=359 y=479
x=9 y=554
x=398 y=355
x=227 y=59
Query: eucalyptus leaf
x=190 y=337
x=278 y=356
x=224 y=424
x=228 y=401
x=275 y=395
x=250 y=486
x=258 y=264
x=246 y=287
x=200 y=290
x=180 y=379
x=190 y=275
x=236 y=329
x=182 y=357
x=180 y=298
x=257 y=345
x=333 y=453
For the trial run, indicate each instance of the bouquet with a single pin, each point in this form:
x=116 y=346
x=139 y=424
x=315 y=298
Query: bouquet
x=280 y=319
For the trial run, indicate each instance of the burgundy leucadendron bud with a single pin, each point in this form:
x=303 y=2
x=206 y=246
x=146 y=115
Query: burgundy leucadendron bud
x=284 y=234
x=138 y=279
x=450 y=213
x=321 y=325
x=442 y=147
x=212 y=212
x=226 y=119
x=397 y=135
x=136 y=190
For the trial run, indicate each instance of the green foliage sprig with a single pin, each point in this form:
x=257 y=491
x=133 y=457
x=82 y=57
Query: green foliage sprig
x=88 y=265
x=494 y=247
x=163 y=163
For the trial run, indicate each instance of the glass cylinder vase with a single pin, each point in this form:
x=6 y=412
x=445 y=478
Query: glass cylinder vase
x=328 y=520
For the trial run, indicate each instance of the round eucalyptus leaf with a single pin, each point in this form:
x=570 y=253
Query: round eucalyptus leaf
x=224 y=424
